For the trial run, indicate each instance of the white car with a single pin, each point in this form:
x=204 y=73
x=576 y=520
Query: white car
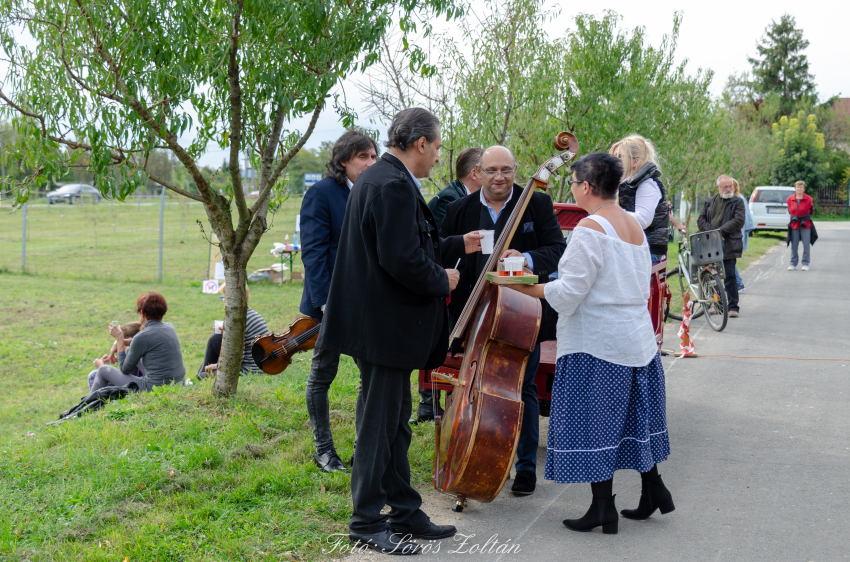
x=767 y=205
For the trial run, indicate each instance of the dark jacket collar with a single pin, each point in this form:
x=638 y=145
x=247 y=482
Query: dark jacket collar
x=648 y=170
x=400 y=165
x=458 y=188
x=403 y=169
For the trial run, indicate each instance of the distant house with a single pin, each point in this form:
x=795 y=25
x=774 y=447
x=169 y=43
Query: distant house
x=841 y=106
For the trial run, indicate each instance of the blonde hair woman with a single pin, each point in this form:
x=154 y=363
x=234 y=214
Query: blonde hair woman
x=641 y=192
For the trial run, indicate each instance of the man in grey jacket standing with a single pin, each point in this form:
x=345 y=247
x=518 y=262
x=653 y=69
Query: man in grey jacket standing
x=726 y=213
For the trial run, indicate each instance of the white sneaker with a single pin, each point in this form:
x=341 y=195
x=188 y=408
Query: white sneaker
x=792 y=267
x=805 y=268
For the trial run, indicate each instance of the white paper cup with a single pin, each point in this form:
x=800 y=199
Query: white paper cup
x=514 y=265
x=487 y=241
x=218 y=327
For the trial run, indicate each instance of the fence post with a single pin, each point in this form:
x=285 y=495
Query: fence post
x=24 y=241
x=161 y=226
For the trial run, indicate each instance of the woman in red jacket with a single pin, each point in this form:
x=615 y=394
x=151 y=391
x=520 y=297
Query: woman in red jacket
x=800 y=207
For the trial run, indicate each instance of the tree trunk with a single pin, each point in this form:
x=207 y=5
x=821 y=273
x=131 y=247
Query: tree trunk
x=233 y=341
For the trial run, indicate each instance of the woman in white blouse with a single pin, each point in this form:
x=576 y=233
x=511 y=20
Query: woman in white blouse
x=608 y=399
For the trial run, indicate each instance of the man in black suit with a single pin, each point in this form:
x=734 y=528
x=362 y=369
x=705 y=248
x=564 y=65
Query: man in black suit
x=386 y=308
x=322 y=213
x=539 y=240
x=467 y=182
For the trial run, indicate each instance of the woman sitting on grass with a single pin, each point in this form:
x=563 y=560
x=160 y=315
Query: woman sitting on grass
x=255 y=326
x=156 y=344
x=129 y=330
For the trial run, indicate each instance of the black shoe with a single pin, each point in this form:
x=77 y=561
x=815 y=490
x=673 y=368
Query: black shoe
x=416 y=420
x=385 y=542
x=427 y=530
x=653 y=495
x=602 y=512
x=329 y=462
x=524 y=483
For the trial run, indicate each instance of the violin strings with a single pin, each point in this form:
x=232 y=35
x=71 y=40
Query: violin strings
x=298 y=340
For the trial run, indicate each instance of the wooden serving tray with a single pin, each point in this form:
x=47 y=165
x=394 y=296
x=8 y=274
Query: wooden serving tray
x=496 y=279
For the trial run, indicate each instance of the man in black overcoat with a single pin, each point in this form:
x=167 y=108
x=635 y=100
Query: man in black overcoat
x=386 y=308
x=539 y=239
x=725 y=212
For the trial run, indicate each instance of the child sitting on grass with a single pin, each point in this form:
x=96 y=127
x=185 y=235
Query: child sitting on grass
x=129 y=330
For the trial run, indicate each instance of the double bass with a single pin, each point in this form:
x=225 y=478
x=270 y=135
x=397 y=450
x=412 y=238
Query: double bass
x=477 y=436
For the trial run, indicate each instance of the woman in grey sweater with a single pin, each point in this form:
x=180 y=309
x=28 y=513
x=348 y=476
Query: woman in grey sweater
x=157 y=344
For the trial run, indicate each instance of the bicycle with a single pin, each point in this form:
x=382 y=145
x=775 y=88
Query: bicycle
x=699 y=273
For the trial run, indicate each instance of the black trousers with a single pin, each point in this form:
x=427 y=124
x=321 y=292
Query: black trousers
x=426 y=403
x=381 y=473
x=730 y=283
x=211 y=354
x=529 y=433
x=323 y=371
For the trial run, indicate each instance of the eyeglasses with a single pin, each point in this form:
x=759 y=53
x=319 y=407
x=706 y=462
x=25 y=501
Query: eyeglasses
x=571 y=182
x=222 y=297
x=508 y=172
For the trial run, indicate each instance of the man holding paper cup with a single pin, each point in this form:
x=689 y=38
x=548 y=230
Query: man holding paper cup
x=538 y=240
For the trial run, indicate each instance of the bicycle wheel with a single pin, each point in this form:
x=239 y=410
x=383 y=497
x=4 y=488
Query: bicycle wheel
x=715 y=294
x=681 y=281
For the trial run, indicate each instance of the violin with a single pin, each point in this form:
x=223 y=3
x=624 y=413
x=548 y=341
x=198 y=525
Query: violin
x=273 y=353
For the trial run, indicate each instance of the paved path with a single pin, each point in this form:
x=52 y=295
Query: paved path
x=760 y=462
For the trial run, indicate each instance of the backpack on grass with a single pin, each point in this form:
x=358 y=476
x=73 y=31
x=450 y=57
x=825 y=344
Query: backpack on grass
x=96 y=400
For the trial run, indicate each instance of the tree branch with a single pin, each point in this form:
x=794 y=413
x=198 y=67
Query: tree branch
x=236 y=119
x=288 y=156
x=23 y=111
x=175 y=189
x=181 y=153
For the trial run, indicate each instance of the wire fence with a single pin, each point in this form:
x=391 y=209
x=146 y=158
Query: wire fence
x=111 y=240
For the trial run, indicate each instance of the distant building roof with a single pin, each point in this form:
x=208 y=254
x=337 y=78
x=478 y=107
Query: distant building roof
x=842 y=106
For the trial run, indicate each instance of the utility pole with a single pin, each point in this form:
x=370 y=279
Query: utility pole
x=24 y=241
x=161 y=227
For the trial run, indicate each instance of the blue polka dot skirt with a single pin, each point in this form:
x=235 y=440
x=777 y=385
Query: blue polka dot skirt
x=605 y=417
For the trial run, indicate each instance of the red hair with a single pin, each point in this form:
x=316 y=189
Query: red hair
x=152 y=305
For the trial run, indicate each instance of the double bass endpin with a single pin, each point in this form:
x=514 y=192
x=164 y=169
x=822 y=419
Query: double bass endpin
x=459 y=505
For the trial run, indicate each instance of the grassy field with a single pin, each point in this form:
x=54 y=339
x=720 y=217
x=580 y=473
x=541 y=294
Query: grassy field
x=169 y=475
x=120 y=241
x=172 y=475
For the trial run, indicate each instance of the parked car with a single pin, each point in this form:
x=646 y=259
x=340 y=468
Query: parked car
x=73 y=192
x=767 y=204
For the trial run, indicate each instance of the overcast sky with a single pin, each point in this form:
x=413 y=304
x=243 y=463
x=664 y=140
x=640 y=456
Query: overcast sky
x=718 y=35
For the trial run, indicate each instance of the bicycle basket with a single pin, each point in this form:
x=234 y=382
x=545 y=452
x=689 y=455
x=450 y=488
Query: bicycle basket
x=706 y=248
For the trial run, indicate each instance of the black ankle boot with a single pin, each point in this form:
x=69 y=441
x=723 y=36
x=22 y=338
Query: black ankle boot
x=653 y=495
x=602 y=512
